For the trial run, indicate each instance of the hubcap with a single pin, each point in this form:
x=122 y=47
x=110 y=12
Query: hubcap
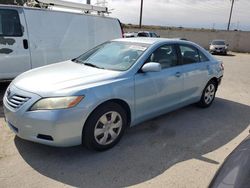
x=209 y=93
x=108 y=128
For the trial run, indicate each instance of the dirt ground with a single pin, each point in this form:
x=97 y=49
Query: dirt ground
x=180 y=149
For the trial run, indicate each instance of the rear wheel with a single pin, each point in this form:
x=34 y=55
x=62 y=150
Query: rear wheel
x=208 y=94
x=105 y=127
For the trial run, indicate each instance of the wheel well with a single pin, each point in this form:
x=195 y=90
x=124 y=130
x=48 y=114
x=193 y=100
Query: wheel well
x=215 y=80
x=120 y=102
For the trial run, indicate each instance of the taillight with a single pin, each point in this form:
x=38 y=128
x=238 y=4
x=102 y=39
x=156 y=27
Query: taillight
x=222 y=66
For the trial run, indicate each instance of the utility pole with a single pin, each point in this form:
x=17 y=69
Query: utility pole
x=230 y=16
x=141 y=13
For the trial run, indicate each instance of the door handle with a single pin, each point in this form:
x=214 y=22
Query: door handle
x=178 y=74
x=25 y=44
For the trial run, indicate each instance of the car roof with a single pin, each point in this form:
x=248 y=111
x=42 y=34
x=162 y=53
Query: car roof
x=147 y=40
x=143 y=31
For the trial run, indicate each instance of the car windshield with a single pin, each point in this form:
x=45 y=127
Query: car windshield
x=218 y=42
x=114 y=55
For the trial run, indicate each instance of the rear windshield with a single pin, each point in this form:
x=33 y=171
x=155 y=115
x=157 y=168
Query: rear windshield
x=113 y=55
x=10 y=23
x=218 y=42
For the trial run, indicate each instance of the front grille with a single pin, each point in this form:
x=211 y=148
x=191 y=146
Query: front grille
x=219 y=48
x=16 y=101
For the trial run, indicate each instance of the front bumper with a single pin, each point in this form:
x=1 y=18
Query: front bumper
x=51 y=127
x=218 y=51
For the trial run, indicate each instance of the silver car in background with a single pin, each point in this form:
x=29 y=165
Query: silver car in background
x=93 y=98
x=147 y=34
x=218 y=47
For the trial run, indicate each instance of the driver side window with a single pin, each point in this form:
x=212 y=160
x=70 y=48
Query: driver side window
x=10 y=23
x=165 y=55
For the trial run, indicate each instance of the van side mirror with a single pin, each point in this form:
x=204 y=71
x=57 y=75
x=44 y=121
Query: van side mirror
x=151 y=67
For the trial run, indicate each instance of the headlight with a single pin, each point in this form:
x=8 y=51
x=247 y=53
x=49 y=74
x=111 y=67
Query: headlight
x=211 y=47
x=56 y=103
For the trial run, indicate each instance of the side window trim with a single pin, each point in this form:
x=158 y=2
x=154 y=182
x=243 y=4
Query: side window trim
x=179 y=56
x=199 y=56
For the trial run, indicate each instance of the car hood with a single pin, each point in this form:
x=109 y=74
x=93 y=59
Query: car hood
x=59 y=77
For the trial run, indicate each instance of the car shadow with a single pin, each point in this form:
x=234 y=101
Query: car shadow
x=228 y=55
x=145 y=151
x=3 y=87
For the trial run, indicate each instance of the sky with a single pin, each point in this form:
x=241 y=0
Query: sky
x=184 y=13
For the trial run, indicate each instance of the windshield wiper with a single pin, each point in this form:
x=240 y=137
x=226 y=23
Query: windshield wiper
x=77 y=61
x=92 y=65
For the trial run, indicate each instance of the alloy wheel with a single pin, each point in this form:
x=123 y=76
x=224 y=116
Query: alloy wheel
x=209 y=93
x=108 y=128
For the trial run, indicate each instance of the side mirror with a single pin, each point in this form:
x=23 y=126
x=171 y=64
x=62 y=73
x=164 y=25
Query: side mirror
x=151 y=67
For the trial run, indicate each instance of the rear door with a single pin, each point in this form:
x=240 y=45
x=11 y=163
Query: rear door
x=14 y=48
x=195 y=71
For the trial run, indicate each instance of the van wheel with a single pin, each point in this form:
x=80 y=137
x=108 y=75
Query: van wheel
x=208 y=94
x=105 y=127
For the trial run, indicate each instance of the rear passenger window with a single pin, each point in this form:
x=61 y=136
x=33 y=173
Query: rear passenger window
x=165 y=55
x=203 y=58
x=10 y=23
x=154 y=35
x=189 y=54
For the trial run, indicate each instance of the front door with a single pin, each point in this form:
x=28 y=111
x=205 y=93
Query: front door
x=158 y=92
x=14 y=48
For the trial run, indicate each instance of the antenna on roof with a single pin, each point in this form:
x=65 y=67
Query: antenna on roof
x=75 y=6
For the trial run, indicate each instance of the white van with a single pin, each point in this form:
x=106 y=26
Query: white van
x=34 y=37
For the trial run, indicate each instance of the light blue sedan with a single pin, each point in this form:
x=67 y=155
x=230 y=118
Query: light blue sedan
x=93 y=98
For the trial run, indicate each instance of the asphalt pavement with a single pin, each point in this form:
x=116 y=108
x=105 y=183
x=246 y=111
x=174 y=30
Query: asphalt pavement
x=183 y=148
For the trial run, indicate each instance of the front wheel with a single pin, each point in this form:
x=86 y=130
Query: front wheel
x=208 y=95
x=105 y=127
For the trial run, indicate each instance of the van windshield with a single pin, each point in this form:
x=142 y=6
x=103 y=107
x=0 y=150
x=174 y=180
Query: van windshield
x=113 y=55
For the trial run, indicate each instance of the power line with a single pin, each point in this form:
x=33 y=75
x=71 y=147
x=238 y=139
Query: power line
x=230 y=16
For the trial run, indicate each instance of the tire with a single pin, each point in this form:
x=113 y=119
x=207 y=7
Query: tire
x=208 y=94
x=105 y=127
